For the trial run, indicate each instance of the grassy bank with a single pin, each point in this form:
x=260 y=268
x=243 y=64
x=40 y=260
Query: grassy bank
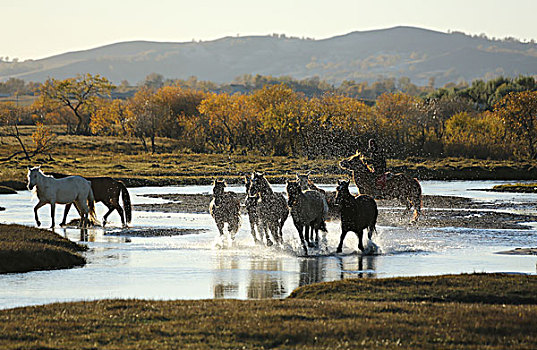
x=518 y=188
x=24 y=249
x=126 y=160
x=333 y=319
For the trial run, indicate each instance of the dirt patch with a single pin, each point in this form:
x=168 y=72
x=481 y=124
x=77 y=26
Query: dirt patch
x=152 y=232
x=438 y=211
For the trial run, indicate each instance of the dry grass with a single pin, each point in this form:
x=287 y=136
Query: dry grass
x=126 y=160
x=329 y=323
x=24 y=249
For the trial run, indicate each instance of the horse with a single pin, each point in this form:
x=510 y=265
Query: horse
x=308 y=210
x=71 y=189
x=106 y=190
x=252 y=209
x=272 y=208
x=225 y=207
x=401 y=186
x=357 y=213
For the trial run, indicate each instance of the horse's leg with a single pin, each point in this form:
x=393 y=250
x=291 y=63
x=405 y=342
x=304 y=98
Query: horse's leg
x=110 y=210
x=309 y=234
x=65 y=212
x=233 y=226
x=52 y=213
x=340 y=246
x=83 y=210
x=266 y=232
x=252 y=228
x=220 y=226
x=301 y=235
x=37 y=206
x=360 y=235
x=115 y=205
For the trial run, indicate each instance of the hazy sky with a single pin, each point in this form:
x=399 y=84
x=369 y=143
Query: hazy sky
x=41 y=28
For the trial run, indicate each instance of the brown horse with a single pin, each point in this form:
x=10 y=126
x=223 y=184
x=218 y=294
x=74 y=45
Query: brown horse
x=106 y=190
x=225 y=207
x=406 y=189
x=357 y=213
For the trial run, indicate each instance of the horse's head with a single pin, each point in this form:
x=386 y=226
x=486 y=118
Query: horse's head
x=258 y=183
x=218 y=187
x=33 y=176
x=293 y=190
x=303 y=180
x=342 y=189
x=354 y=163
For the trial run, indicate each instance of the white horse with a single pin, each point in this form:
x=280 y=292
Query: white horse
x=71 y=189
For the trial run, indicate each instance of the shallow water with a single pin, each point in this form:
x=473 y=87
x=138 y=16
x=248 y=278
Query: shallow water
x=199 y=266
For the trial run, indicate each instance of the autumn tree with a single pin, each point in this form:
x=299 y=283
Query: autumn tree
x=518 y=111
x=228 y=121
x=79 y=95
x=280 y=112
x=111 y=117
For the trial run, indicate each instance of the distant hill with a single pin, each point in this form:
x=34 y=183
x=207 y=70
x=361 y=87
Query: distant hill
x=396 y=52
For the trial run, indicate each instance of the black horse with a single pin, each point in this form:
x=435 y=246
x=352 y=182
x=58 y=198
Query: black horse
x=357 y=213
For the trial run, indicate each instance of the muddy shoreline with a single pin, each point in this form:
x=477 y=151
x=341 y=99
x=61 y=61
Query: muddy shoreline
x=438 y=211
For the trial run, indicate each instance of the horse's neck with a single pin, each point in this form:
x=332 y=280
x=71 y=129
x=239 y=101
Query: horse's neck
x=266 y=192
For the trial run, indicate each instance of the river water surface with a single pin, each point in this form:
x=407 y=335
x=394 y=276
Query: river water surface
x=200 y=266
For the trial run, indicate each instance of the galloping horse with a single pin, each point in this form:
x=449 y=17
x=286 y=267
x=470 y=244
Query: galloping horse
x=225 y=207
x=252 y=209
x=272 y=208
x=71 y=189
x=307 y=184
x=406 y=189
x=107 y=191
x=308 y=210
x=357 y=214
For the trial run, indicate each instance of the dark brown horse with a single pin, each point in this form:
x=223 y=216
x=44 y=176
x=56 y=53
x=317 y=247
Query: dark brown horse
x=357 y=213
x=401 y=186
x=107 y=191
x=225 y=207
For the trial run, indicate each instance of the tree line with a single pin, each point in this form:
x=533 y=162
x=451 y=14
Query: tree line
x=493 y=119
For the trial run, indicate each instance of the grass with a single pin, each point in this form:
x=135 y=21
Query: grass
x=517 y=187
x=125 y=159
x=24 y=249
x=335 y=318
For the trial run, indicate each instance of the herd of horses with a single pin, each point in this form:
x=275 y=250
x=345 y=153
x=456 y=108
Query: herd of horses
x=267 y=210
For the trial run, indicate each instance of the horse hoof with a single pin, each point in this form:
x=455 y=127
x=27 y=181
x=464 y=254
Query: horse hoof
x=339 y=250
x=269 y=243
x=311 y=244
x=104 y=224
x=38 y=223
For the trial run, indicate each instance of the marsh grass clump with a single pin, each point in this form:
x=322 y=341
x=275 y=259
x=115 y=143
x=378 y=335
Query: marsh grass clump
x=24 y=249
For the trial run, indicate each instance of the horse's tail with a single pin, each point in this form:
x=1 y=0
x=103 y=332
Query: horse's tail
x=373 y=225
x=91 y=206
x=127 y=206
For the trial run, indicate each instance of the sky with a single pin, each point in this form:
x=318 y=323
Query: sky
x=33 y=29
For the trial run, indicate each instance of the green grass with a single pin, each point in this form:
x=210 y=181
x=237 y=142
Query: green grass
x=24 y=249
x=328 y=320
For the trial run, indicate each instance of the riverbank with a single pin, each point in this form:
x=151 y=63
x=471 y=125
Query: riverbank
x=495 y=311
x=24 y=249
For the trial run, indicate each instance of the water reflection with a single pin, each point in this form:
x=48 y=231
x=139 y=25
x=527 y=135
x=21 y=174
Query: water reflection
x=225 y=285
x=311 y=270
x=357 y=267
x=264 y=280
